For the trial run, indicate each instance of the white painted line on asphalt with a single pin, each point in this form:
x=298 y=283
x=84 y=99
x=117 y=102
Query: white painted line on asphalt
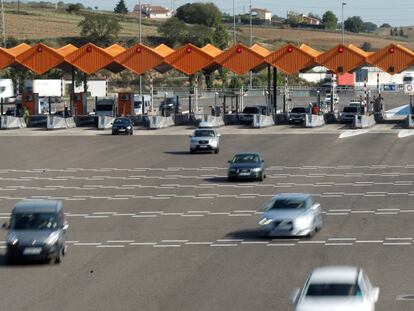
x=352 y=133
x=174 y=241
x=198 y=243
x=342 y=239
x=172 y=214
x=143 y=243
x=396 y=239
x=337 y=214
x=104 y=213
x=369 y=241
x=144 y=216
x=224 y=245
x=362 y=212
x=111 y=246
x=154 y=212
x=198 y=212
x=386 y=213
x=220 y=213
x=120 y=241
x=87 y=244
x=311 y=242
x=125 y=214
x=96 y=216
x=230 y=240
x=240 y=215
x=72 y=242
x=281 y=244
x=254 y=242
x=192 y=215
x=339 y=244
x=405 y=133
x=167 y=245
x=396 y=243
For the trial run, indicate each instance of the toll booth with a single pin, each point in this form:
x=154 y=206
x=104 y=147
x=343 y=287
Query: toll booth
x=80 y=102
x=125 y=104
x=31 y=102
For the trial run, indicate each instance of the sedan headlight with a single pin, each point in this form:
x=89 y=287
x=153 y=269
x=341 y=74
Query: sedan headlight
x=257 y=169
x=128 y=127
x=12 y=239
x=265 y=221
x=303 y=222
x=52 y=239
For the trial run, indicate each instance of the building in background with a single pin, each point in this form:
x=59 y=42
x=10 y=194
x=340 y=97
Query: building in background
x=262 y=14
x=153 y=11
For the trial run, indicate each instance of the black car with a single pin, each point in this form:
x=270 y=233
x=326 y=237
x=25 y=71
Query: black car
x=122 y=126
x=246 y=166
x=298 y=114
x=250 y=111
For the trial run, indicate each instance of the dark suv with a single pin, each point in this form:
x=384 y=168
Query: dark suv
x=249 y=112
x=122 y=126
x=298 y=114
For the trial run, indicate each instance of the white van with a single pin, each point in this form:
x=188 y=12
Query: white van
x=138 y=104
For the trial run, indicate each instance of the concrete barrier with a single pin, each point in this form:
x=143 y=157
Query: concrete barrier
x=260 y=121
x=10 y=122
x=312 y=120
x=409 y=122
x=57 y=123
x=158 y=122
x=211 y=121
x=105 y=122
x=362 y=121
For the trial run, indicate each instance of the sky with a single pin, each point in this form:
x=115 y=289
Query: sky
x=395 y=12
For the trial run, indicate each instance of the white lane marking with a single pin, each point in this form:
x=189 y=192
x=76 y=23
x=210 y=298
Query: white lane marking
x=281 y=244
x=143 y=243
x=72 y=242
x=370 y=241
x=111 y=246
x=352 y=133
x=174 y=241
x=339 y=244
x=254 y=242
x=198 y=243
x=120 y=241
x=405 y=133
x=396 y=243
x=96 y=216
x=167 y=245
x=224 y=245
x=230 y=240
x=341 y=239
x=397 y=239
x=144 y=216
x=87 y=244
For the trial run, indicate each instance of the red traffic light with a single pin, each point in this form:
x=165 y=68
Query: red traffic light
x=89 y=49
x=138 y=50
x=341 y=49
x=189 y=50
x=39 y=49
x=238 y=50
x=392 y=50
x=290 y=49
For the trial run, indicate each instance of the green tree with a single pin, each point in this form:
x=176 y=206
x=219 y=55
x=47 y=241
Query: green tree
x=206 y=14
x=354 y=24
x=293 y=19
x=329 y=20
x=100 y=29
x=366 y=46
x=121 y=8
x=385 y=25
x=174 y=31
x=199 y=35
x=74 y=8
x=369 y=27
x=221 y=37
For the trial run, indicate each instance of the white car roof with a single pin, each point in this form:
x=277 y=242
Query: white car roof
x=334 y=274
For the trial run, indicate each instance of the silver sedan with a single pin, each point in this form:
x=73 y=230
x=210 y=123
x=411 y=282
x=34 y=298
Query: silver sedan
x=291 y=214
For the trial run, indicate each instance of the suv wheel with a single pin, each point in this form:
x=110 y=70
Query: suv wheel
x=216 y=150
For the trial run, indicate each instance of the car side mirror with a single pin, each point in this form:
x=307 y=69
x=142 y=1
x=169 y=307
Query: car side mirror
x=65 y=225
x=5 y=226
x=316 y=206
x=294 y=296
x=375 y=294
x=229 y=161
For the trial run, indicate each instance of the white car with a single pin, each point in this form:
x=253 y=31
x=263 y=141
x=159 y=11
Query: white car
x=337 y=288
x=205 y=139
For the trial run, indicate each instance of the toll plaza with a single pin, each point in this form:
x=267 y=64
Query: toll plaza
x=236 y=103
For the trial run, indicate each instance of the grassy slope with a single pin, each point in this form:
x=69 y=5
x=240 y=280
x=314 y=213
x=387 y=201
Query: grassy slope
x=47 y=24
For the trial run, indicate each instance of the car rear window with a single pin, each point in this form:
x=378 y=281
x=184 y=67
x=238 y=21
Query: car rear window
x=332 y=289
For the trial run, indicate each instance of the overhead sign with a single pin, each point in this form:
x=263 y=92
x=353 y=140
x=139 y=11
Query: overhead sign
x=409 y=89
x=389 y=88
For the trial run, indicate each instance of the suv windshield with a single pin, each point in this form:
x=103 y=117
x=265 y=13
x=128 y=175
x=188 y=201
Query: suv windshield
x=204 y=133
x=34 y=221
x=351 y=109
x=319 y=290
x=121 y=121
x=246 y=158
x=299 y=110
x=294 y=203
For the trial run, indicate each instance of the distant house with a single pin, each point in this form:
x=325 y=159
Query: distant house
x=262 y=14
x=309 y=20
x=154 y=11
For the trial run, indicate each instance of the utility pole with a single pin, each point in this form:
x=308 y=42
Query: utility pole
x=343 y=25
x=251 y=43
x=234 y=26
x=3 y=24
x=140 y=42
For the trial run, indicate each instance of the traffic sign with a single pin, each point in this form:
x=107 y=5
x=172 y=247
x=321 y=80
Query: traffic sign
x=409 y=89
x=389 y=88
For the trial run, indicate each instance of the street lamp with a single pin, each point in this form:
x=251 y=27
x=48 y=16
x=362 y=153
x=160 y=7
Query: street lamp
x=343 y=26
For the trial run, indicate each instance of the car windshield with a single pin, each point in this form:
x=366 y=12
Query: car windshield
x=351 y=109
x=204 y=133
x=288 y=203
x=121 y=121
x=332 y=289
x=251 y=110
x=299 y=110
x=34 y=221
x=246 y=158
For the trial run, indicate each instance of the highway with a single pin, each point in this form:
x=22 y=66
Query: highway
x=155 y=228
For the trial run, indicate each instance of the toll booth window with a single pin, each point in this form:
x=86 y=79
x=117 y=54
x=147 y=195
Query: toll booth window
x=104 y=108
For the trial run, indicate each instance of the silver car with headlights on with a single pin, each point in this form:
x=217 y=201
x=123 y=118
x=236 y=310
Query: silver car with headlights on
x=205 y=139
x=291 y=214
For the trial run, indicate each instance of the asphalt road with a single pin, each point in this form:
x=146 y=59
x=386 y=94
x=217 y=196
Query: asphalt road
x=155 y=228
